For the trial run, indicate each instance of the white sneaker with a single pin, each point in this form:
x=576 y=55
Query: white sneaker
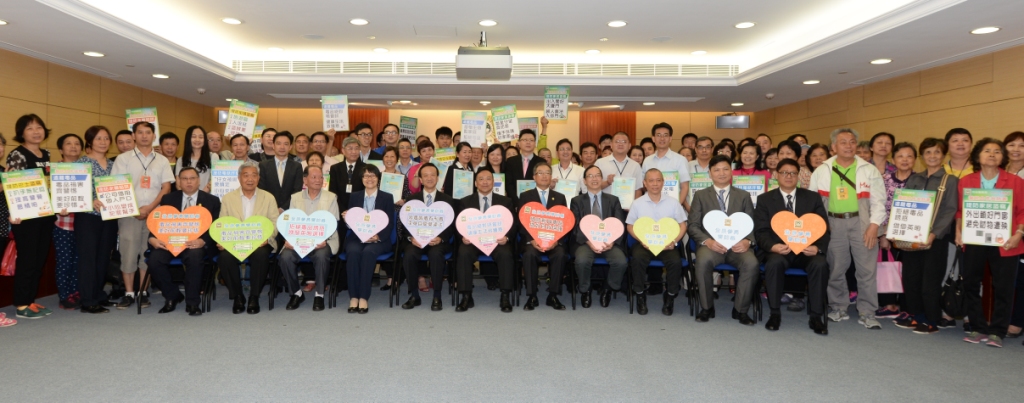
x=869 y=322
x=838 y=315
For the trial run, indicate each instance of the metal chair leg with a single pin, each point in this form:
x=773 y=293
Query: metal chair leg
x=143 y=286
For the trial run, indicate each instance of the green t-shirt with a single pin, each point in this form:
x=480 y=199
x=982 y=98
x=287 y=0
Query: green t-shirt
x=842 y=198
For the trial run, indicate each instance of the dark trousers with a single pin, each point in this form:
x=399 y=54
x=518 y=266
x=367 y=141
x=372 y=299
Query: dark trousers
x=503 y=258
x=362 y=259
x=817 y=280
x=160 y=259
x=556 y=263
x=289 y=260
x=1018 y=303
x=435 y=260
x=617 y=265
x=642 y=259
x=95 y=240
x=923 y=272
x=1004 y=273
x=32 y=241
x=259 y=264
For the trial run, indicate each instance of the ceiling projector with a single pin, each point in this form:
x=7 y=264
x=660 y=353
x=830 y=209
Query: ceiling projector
x=483 y=63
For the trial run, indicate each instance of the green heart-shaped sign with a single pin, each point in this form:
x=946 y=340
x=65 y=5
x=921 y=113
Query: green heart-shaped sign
x=241 y=238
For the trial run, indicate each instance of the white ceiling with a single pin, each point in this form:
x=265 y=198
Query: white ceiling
x=793 y=41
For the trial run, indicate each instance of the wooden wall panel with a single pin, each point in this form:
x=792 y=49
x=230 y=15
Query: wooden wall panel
x=826 y=104
x=905 y=128
x=791 y=112
x=63 y=120
x=10 y=110
x=594 y=124
x=73 y=89
x=166 y=107
x=975 y=118
x=267 y=117
x=965 y=73
x=964 y=96
x=887 y=110
x=22 y=77
x=1006 y=73
x=116 y=96
x=188 y=114
x=855 y=104
x=306 y=120
x=893 y=89
x=1006 y=117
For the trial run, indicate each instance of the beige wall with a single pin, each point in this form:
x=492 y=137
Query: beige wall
x=984 y=94
x=69 y=101
x=699 y=123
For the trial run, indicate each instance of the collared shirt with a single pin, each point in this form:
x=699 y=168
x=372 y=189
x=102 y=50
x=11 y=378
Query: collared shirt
x=665 y=207
x=671 y=162
x=725 y=197
x=432 y=195
x=544 y=194
x=526 y=164
x=311 y=204
x=784 y=194
x=404 y=169
x=184 y=199
x=204 y=174
x=572 y=173
x=248 y=205
x=369 y=200
x=695 y=166
x=365 y=157
x=595 y=198
x=627 y=169
x=155 y=166
x=490 y=199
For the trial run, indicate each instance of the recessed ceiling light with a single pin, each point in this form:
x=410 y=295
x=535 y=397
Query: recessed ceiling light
x=275 y=49
x=358 y=21
x=488 y=23
x=380 y=50
x=232 y=21
x=404 y=102
x=592 y=52
x=371 y=37
x=737 y=104
x=699 y=52
x=485 y=102
x=230 y=99
x=415 y=104
x=881 y=61
x=648 y=103
x=616 y=24
x=809 y=82
x=603 y=39
x=161 y=76
x=744 y=25
x=2 y=22
x=985 y=30
x=93 y=54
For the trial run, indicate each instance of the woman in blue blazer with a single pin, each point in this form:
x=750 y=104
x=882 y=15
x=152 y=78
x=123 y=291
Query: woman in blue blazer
x=362 y=257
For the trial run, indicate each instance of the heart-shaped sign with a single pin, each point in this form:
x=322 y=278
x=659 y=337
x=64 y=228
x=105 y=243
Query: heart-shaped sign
x=425 y=223
x=656 y=234
x=728 y=230
x=601 y=232
x=546 y=226
x=305 y=232
x=241 y=238
x=366 y=225
x=174 y=227
x=798 y=232
x=483 y=229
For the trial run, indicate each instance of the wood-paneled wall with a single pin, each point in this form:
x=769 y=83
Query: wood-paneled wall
x=594 y=124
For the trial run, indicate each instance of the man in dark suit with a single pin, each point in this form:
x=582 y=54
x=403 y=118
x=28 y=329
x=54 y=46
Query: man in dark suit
x=364 y=133
x=722 y=196
x=502 y=254
x=436 y=249
x=519 y=167
x=586 y=251
x=532 y=250
x=281 y=176
x=196 y=250
x=788 y=197
x=346 y=176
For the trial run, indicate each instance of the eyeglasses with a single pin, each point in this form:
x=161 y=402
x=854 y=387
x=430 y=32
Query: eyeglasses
x=542 y=174
x=662 y=135
x=390 y=132
x=787 y=174
x=621 y=141
x=369 y=176
x=365 y=134
x=594 y=176
x=704 y=147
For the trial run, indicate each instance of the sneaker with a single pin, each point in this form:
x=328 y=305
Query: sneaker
x=144 y=299
x=853 y=297
x=30 y=312
x=886 y=313
x=994 y=341
x=5 y=321
x=975 y=338
x=796 y=305
x=126 y=301
x=46 y=311
x=838 y=315
x=786 y=298
x=967 y=327
x=906 y=323
x=869 y=322
x=925 y=329
x=902 y=315
x=947 y=323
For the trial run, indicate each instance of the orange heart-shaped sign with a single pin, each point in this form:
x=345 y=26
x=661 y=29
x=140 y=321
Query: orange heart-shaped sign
x=544 y=225
x=175 y=227
x=798 y=232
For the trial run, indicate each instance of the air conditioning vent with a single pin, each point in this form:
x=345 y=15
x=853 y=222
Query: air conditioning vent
x=518 y=69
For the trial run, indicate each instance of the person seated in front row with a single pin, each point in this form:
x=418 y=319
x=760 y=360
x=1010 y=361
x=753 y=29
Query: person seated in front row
x=362 y=256
x=195 y=250
x=312 y=199
x=532 y=250
x=604 y=206
x=722 y=196
x=482 y=200
x=242 y=203
x=435 y=249
x=656 y=205
x=789 y=197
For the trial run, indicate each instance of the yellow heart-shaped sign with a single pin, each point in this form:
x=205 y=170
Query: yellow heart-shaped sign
x=656 y=234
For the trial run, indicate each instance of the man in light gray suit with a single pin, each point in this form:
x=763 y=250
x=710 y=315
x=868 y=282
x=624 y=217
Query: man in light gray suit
x=724 y=197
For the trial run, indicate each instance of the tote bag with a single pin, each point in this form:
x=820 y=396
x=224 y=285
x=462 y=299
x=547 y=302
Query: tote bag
x=889 y=273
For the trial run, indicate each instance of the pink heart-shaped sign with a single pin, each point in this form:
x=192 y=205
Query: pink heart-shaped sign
x=484 y=229
x=601 y=232
x=426 y=223
x=366 y=225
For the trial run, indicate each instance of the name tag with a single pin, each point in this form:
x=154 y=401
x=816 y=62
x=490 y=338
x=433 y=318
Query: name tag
x=348 y=188
x=144 y=182
x=842 y=193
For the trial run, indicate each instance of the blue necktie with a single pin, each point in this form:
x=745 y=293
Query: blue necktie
x=430 y=200
x=544 y=198
x=486 y=204
x=721 y=200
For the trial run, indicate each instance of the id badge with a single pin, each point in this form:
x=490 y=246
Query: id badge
x=348 y=188
x=144 y=182
x=843 y=193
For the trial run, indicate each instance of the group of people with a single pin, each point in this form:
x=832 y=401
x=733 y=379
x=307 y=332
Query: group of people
x=840 y=182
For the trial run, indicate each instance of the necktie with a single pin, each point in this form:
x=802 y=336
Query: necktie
x=789 y=203
x=486 y=204
x=721 y=200
x=188 y=203
x=430 y=200
x=280 y=172
x=544 y=198
x=526 y=165
x=350 y=166
x=596 y=209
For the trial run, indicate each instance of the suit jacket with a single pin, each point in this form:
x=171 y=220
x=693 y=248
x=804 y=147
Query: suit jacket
x=374 y=155
x=383 y=202
x=282 y=191
x=446 y=235
x=533 y=195
x=448 y=185
x=513 y=170
x=339 y=180
x=231 y=206
x=706 y=200
x=205 y=200
x=328 y=202
x=807 y=202
x=610 y=207
x=473 y=201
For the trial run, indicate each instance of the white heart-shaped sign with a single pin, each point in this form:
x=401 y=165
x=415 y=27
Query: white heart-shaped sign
x=425 y=223
x=366 y=225
x=728 y=230
x=305 y=232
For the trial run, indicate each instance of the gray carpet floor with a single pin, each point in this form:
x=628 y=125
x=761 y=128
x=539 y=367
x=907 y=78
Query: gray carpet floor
x=390 y=354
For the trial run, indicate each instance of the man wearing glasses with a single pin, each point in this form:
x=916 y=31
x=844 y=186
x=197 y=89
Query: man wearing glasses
x=666 y=160
x=318 y=142
x=704 y=147
x=390 y=139
x=604 y=206
x=364 y=133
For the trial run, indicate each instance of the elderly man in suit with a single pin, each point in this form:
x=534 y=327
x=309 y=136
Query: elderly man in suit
x=435 y=249
x=502 y=254
x=604 y=206
x=779 y=257
x=311 y=200
x=281 y=176
x=196 y=250
x=242 y=203
x=729 y=199
x=532 y=250
x=346 y=176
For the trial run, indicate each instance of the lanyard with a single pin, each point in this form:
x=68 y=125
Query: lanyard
x=570 y=170
x=145 y=168
x=626 y=164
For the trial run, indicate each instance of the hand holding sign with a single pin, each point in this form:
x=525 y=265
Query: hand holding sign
x=546 y=226
x=656 y=234
x=426 y=223
x=366 y=224
x=798 y=232
x=305 y=232
x=728 y=230
x=484 y=229
x=241 y=238
x=175 y=228
x=603 y=233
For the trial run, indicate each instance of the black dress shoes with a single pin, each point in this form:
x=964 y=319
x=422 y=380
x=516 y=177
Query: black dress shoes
x=585 y=299
x=669 y=305
x=436 y=305
x=385 y=287
x=746 y=320
x=506 y=306
x=531 y=303
x=818 y=326
x=318 y=304
x=353 y=309
x=773 y=322
x=735 y=314
x=412 y=303
x=555 y=303
x=254 y=306
x=606 y=297
x=465 y=303
x=705 y=315
x=193 y=310
x=170 y=305
x=239 y=306
x=641 y=304
x=94 y=309
x=106 y=303
x=294 y=302
x=364 y=310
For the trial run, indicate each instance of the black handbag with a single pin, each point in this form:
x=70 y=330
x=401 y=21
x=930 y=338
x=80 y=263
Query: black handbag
x=953 y=290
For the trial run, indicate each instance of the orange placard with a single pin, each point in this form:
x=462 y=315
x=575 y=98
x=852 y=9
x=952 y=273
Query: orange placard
x=798 y=232
x=175 y=228
x=546 y=226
